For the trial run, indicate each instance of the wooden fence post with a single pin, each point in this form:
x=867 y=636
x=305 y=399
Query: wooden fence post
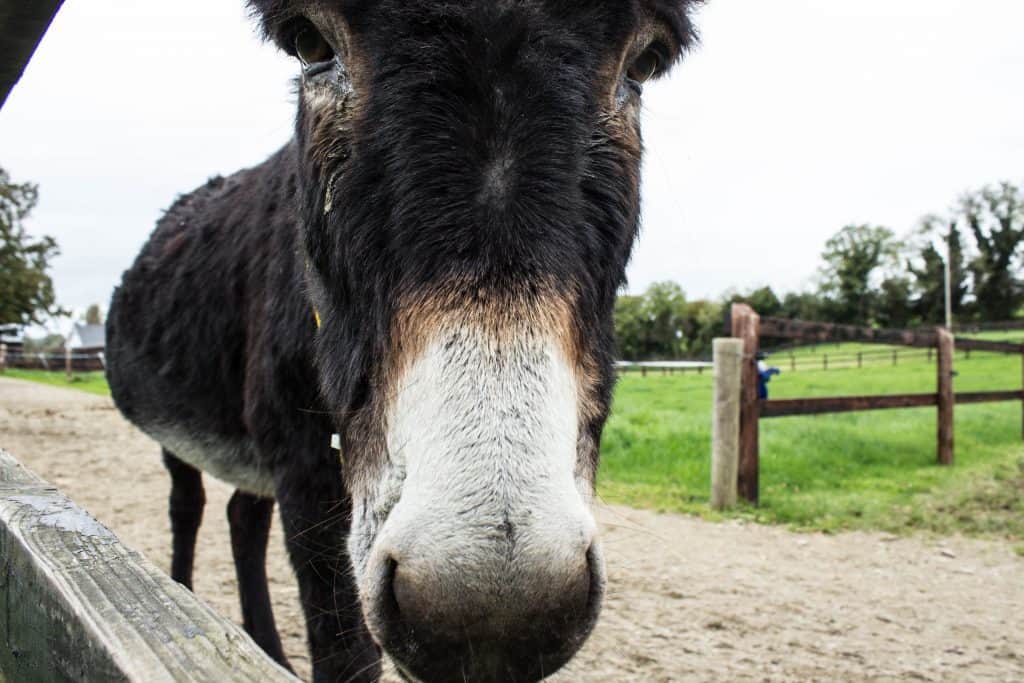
x=67 y=363
x=746 y=326
x=946 y=397
x=725 y=431
x=3 y=357
x=895 y=357
x=824 y=362
x=792 y=362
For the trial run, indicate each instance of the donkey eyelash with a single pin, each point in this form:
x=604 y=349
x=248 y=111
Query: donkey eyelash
x=290 y=30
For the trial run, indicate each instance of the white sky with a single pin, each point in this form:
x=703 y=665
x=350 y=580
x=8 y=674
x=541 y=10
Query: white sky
x=793 y=119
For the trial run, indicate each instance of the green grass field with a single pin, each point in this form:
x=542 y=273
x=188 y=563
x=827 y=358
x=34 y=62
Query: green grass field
x=857 y=470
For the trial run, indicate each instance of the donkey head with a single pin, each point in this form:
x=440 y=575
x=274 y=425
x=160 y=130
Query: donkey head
x=468 y=199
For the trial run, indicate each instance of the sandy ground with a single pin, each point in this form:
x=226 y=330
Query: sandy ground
x=688 y=600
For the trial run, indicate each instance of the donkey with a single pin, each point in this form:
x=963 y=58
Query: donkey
x=427 y=271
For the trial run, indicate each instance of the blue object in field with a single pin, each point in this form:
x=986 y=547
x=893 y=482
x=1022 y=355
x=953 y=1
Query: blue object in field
x=764 y=375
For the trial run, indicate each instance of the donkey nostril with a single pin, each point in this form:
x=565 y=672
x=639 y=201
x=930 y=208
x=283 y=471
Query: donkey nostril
x=411 y=599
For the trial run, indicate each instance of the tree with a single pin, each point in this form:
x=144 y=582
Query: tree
x=26 y=290
x=705 y=320
x=94 y=315
x=652 y=326
x=665 y=306
x=995 y=216
x=802 y=306
x=894 y=305
x=763 y=300
x=852 y=256
x=630 y=327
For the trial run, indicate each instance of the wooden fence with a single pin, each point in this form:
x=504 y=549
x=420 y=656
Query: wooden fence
x=859 y=359
x=670 y=367
x=78 y=605
x=1007 y=326
x=748 y=327
x=69 y=360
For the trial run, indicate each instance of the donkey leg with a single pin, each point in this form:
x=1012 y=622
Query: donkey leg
x=249 y=517
x=186 y=512
x=315 y=514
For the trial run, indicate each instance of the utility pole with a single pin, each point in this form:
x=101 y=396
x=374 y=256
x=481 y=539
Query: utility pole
x=949 y=286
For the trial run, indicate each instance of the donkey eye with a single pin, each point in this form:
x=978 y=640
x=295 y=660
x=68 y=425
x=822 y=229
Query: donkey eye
x=649 y=64
x=311 y=48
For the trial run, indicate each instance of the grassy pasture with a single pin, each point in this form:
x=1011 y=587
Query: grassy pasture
x=858 y=470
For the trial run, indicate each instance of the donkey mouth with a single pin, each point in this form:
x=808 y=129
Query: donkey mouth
x=492 y=647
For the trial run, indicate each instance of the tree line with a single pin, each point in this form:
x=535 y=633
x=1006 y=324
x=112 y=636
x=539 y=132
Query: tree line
x=867 y=276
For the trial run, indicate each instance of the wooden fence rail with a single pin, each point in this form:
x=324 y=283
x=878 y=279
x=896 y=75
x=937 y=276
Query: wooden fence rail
x=828 y=332
x=788 y=407
x=78 y=605
x=1007 y=326
x=53 y=362
x=748 y=328
x=858 y=359
x=666 y=367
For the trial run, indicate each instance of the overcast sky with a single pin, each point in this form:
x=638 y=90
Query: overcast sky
x=794 y=118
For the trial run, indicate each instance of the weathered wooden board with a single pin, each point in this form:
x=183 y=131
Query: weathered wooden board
x=80 y=606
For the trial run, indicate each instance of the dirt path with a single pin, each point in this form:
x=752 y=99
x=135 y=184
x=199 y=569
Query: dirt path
x=688 y=600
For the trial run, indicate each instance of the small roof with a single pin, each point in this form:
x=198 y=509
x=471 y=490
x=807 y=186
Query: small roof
x=88 y=336
x=10 y=333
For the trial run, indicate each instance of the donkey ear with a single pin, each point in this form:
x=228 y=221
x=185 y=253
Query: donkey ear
x=678 y=16
x=271 y=16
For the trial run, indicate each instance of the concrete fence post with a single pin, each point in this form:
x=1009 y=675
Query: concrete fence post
x=725 y=439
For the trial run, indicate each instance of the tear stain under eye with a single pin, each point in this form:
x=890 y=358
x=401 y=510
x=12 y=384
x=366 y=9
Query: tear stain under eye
x=627 y=90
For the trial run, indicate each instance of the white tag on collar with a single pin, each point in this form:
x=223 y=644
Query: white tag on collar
x=336 y=442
